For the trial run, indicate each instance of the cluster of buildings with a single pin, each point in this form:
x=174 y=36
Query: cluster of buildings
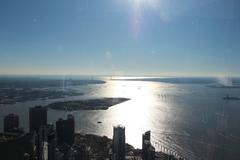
x=48 y=142
x=41 y=142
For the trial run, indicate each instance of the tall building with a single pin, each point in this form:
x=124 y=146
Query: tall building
x=65 y=130
x=148 y=151
x=119 y=143
x=11 y=123
x=37 y=118
x=146 y=137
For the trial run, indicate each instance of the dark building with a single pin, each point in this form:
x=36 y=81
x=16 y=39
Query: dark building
x=14 y=146
x=65 y=130
x=146 y=137
x=148 y=151
x=37 y=118
x=119 y=143
x=11 y=123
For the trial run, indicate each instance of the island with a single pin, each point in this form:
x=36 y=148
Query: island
x=88 y=104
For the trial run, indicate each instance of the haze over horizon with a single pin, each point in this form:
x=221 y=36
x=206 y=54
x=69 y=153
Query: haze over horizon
x=115 y=37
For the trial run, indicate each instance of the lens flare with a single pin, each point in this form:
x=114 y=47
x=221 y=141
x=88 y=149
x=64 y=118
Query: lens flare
x=138 y=7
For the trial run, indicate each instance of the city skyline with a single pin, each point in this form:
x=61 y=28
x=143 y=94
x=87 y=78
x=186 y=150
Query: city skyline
x=134 y=37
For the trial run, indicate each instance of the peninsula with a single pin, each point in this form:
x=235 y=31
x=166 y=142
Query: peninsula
x=88 y=104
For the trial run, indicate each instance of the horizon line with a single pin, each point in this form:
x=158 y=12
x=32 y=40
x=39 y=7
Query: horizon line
x=126 y=75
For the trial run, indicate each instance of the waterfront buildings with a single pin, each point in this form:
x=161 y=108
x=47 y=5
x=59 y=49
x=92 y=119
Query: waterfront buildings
x=46 y=143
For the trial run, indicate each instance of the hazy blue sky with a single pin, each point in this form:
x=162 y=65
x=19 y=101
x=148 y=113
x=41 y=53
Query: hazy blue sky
x=137 y=37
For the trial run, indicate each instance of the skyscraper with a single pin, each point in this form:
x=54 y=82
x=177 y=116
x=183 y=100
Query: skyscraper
x=37 y=118
x=65 y=130
x=148 y=151
x=146 y=137
x=11 y=123
x=118 y=143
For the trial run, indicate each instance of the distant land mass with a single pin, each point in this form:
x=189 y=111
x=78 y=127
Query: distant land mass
x=13 y=90
x=223 y=86
x=29 y=82
x=89 y=104
x=12 y=96
x=182 y=80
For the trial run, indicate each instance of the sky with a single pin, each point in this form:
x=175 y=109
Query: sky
x=120 y=37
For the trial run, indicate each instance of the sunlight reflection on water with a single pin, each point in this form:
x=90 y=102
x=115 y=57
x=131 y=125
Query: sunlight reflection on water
x=138 y=113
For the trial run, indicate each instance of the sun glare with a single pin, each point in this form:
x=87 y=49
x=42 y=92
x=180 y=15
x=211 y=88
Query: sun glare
x=138 y=7
x=147 y=2
x=135 y=114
